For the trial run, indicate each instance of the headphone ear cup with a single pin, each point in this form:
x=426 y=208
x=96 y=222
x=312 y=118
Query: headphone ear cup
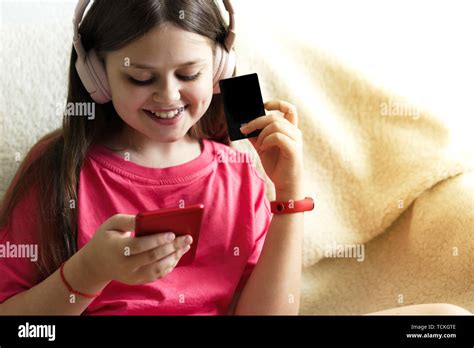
x=94 y=77
x=224 y=65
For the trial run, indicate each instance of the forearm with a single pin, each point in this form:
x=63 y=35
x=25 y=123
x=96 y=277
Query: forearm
x=51 y=297
x=274 y=286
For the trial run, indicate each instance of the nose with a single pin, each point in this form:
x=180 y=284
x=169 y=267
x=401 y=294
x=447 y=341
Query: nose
x=167 y=92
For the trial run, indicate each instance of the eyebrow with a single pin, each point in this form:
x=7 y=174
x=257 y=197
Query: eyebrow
x=144 y=66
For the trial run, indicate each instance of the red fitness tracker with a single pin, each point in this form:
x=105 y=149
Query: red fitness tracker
x=288 y=207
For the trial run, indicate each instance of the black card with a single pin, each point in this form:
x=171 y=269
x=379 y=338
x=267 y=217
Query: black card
x=243 y=102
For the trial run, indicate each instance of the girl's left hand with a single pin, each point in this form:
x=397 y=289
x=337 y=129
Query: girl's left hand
x=279 y=145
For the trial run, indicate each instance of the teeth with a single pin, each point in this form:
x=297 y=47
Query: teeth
x=169 y=114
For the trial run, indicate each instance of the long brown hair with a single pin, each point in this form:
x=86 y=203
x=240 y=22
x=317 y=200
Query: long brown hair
x=53 y=165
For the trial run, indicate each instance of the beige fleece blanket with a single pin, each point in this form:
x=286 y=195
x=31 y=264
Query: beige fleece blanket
x=385 y=173
x=393 y=222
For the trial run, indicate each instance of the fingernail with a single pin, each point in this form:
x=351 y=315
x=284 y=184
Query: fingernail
x=188 y=240
x=243 y=127
x=170 y=236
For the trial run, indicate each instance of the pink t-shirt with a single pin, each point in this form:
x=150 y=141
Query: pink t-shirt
x=236 y=218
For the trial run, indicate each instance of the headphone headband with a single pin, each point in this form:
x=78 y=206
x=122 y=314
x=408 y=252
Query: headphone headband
x=229 y=41
x=76 y=21
x=82 y=5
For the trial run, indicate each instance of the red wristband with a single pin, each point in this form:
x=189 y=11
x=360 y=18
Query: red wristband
x=288 y=207
x=71 y=290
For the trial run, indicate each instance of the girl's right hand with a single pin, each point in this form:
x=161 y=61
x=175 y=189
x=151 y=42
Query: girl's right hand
x=112 y=254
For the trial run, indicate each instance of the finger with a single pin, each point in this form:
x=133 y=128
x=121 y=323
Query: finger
x=260 y=123
x=120 y=222
x=140 y=244
x=160 y=268
x=158 y=253
x=288 y=109
x=279 y=127
x=286 y=145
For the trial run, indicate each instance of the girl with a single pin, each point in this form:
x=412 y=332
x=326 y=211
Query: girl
x=154 y=144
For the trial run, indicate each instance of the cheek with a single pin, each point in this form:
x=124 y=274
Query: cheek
x=199 y=98
x=125 y=97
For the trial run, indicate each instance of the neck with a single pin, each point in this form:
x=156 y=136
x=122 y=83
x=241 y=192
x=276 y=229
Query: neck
x=150 y=153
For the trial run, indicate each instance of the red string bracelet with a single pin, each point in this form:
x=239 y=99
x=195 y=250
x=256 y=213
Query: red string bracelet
x=71 y=290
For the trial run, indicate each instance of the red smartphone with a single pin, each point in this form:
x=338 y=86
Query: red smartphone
x=180 y=221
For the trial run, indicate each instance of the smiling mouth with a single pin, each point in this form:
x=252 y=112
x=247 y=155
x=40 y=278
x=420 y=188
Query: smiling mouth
x=168 y=114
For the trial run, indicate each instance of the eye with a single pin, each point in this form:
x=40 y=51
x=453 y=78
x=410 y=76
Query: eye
x=189 y=78
x=140 y=82
x=147 y=82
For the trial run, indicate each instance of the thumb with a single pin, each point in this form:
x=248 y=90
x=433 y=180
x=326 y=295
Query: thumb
x=253 y=141
x=120 y=222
